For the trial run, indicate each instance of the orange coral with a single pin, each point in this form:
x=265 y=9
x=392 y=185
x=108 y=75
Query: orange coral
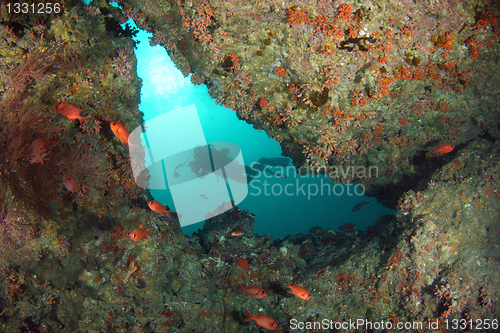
x=321 y=23
x=280 y=71
x=234 y=59
x=358 y=98
x=327 y=50
x=474 y=46
x=345 y=12
x=262 y=102
x=449 y=39
x=341 y=119
x=297 y=16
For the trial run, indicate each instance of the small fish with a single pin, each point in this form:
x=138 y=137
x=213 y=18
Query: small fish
x=140 y=233
x=263 y=321
x=243 y=263
x=121 y=133
x=69 y=111
x=236 y=232
x=253 y=291
x=444 y=149
x=38 y=151
x=359 y=206
x=69 y=183
x=299 y=291
x=159 y=208
x=203 y=197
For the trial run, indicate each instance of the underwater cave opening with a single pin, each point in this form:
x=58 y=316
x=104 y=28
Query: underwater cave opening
x=283 y=206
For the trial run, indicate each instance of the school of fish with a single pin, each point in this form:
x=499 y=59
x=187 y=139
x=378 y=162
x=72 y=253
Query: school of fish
x=39 y=151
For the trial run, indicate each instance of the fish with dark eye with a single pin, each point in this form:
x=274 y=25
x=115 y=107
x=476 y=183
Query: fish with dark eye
x=265 y=322
x=120 y=131
x=444 y=149
x=69 y=111
x=140 y=233
x=159 y=208
x=299 y=291
x=253 y=291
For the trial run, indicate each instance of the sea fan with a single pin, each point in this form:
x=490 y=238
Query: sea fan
x=28 y=136
x=14 y=232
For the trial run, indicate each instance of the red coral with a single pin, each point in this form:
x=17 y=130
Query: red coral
x=280 y=71
x=395 y=259
x=297 y=16
x=474 y=46
x=358 y=98
x=345 y=12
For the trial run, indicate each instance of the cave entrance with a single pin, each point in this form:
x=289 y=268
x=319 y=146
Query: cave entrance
x=284 y=202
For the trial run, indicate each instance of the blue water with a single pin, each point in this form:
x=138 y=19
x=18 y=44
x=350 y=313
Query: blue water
x=296 y=211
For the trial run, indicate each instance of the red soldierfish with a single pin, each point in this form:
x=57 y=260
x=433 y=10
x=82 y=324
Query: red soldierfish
x=263 y=321
x=299 y=291
x=69 y=111
x=254 y=291
x=140 y=233
x=159 y=208
x=443 y=149
x=121 y=132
